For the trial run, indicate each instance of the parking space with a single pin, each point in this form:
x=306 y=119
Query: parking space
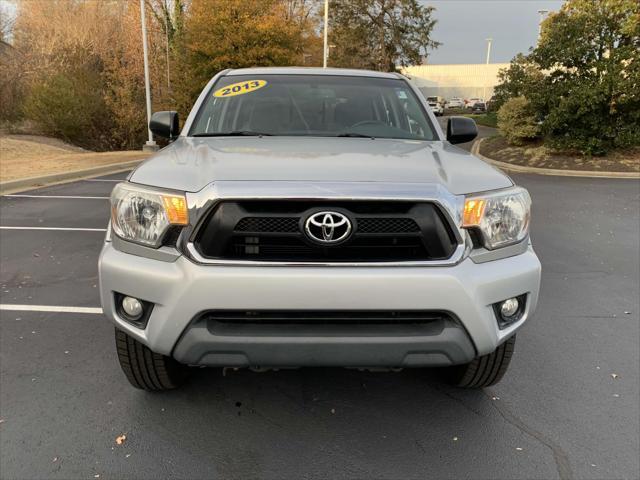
x=568 y=408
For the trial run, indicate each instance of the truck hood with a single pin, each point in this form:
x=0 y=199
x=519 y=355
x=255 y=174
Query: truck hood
x=191 y=163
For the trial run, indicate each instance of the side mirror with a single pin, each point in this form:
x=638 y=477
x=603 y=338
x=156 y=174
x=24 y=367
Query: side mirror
x=461 y=130
x=165 y=124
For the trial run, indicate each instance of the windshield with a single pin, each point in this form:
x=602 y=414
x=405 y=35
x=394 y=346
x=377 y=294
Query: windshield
x=313 y=105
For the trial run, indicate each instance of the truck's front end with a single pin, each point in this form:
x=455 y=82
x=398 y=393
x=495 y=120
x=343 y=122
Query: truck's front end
x=316 y=218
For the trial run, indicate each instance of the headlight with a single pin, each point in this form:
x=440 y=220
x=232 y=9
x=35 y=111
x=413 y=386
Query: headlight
x=143 y=215
x=502 y=217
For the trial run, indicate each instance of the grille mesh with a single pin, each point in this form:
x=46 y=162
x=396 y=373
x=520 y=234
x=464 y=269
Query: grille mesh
x=387 y=225
x=290 y=225
x=268 y=225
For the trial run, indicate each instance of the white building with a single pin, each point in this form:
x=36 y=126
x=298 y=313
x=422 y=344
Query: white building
x=464 y=81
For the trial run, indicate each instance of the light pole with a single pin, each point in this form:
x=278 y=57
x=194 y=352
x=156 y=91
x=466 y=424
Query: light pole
x=489 y=40
x=486 y=73
x=150 y=145
x=542 y=13
x=325 y=55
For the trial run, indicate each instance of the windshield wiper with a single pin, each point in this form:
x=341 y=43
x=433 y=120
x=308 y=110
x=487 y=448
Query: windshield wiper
x=234 y=133
x=356 y=135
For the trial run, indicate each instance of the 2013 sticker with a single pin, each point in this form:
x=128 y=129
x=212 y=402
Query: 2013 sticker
x=239 y=88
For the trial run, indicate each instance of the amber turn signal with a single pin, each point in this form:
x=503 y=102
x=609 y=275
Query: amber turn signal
x=473 y=211
x=176 y=208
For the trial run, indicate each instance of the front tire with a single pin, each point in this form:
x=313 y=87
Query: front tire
x=145 y=369
x=483 y=371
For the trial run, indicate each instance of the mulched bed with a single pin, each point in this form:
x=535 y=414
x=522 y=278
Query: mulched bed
x=537 y=155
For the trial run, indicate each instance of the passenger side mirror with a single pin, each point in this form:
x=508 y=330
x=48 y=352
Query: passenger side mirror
x=165 y=124
x=461 y=130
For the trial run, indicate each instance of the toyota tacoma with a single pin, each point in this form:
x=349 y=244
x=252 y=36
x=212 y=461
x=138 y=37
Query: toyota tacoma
x=316 y=217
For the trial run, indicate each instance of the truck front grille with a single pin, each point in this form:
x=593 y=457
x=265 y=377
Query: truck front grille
x=274 y=231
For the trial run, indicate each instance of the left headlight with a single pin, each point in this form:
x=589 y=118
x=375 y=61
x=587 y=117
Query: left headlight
x=501 y=217
x=144 y=215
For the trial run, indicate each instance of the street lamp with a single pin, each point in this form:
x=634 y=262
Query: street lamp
x=542 y=14
x=489 y=40
x=150 y=145
x=486 y=73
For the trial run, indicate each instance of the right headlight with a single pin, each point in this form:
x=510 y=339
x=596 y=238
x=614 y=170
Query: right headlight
x=143 y=215
x=501 y=218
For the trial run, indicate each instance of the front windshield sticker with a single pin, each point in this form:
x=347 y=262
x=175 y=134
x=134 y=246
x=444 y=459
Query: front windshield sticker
x=239 y=88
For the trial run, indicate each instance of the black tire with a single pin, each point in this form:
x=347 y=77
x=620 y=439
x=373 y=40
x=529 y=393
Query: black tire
x=483 y=371
x=145 y=369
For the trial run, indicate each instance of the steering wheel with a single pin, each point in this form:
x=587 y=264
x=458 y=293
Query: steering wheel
x=368 y=122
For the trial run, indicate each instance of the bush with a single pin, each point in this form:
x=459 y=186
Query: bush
x=70 y=106
x=585 y=119
x=517 y=121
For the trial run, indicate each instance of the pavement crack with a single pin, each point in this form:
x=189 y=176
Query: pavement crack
x=460 y=401
x=563 y=466
x=420 y=446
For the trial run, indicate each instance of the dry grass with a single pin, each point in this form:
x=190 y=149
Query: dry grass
x=24 y=156
x=537 y=155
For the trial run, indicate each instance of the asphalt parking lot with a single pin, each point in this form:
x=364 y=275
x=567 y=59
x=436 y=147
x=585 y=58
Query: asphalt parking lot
x=559 y=412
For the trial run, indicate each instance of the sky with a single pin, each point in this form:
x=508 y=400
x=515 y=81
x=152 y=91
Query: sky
x=464 y=25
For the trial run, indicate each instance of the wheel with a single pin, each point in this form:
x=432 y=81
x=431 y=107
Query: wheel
x=145 y=369
x=483 y=371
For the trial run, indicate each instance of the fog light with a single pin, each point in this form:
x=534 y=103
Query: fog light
x=509 y=307
x=132 y=307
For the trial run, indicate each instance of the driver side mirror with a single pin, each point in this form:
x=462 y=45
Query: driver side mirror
x=165 y=124
x=461 y=130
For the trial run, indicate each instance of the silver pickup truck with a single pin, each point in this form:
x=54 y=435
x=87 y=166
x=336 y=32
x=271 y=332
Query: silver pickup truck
x=316 y=217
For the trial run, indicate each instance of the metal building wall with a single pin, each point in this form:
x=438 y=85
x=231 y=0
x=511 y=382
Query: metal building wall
x=465 y=81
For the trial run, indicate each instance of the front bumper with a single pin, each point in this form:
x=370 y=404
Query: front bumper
x=181 y=290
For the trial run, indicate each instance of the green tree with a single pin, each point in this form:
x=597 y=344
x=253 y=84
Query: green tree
x=591 y=51
x=523 y=76
x=380 y=34
x=589 y=95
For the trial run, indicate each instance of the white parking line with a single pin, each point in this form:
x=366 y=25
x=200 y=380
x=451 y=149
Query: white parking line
x=101 y=180
x=56 y=228
x=57 y=196
x=49 y=308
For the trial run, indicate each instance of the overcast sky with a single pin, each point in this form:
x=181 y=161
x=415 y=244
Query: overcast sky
x=463 y=26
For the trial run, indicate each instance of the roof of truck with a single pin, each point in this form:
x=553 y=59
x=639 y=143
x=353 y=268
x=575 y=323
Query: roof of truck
x=347 y=72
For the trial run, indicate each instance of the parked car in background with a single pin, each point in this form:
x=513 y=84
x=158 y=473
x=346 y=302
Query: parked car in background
x=479 y=107
x=472 y=101
x=437 y=105
x=455 y=102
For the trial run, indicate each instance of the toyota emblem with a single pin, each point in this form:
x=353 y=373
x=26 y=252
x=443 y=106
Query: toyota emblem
x=328 y=228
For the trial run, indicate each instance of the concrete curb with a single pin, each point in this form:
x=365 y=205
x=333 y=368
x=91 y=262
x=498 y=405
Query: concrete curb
x=22 y=184
x=475 y=149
